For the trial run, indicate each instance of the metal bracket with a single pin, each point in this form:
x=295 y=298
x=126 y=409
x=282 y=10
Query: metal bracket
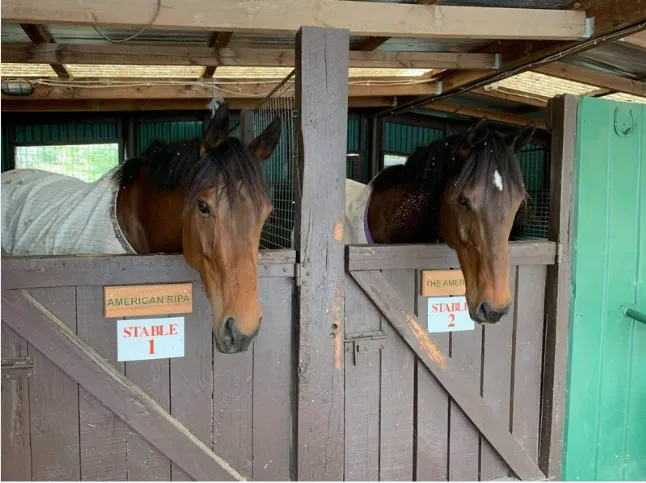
x=363 y=342
x=17 y=368
x=297 y=274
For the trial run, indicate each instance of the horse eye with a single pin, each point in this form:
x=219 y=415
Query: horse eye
x=203 y=207
x=463 y=202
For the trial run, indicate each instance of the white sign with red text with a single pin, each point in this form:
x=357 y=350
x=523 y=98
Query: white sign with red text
x=144 y=339
x=448 y=314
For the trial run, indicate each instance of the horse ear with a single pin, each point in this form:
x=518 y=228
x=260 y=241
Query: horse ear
x=478 y=133
x=522 y=137
x=267 y=140
x=218 y=129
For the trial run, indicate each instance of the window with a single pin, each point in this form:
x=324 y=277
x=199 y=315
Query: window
x=87 y=162
x=393 y=159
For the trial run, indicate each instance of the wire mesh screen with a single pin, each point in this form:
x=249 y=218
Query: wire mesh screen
x=278 y=169
x=87 y=162
x=534 y=218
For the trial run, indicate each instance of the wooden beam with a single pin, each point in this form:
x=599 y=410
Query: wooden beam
x=593 y=77
x=287 y=16
x=14 y=104
x=636 y=40
x=512 y=95
x=212 y=56
x=219 y=40
x=83 y=364
x=39 y=34
x=257 y=90
x=518 y=57
x=477 y=112
x=456 y=383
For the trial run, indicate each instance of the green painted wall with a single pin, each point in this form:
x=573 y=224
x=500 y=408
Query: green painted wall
x=605 y=425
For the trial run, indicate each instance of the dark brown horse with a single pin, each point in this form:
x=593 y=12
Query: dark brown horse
x=205 y=199
x=465 y=190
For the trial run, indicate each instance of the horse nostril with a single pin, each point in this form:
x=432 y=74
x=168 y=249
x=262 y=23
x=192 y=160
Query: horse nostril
x=487 y=313
x=229 y=332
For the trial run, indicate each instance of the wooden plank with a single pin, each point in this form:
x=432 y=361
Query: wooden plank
x=81 y=362
x=497 y=383
x=16 y=451
x=54 y=401
x=272 y=384
x=40 y=272
x=437 y=257
x=122 y=89
x=438 y=283
x=118 y=105
x=140 y=300
x=145 y=462
x=557 y=289
x=574 y=73
x=191 y=377
x=119 y=54
x=233 y=409
x=102 y=432
x=512 y=95
x=321 y=100
x=432 y=458
x=477 y=112
x=287 y=17
x=362 y=386
x=636 y=40
x=397 y=391
x=457 y=384
x=464 y=439
x=528 y=357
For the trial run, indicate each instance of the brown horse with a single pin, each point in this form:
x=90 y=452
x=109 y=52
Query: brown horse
x=204 y=198
x=465 y=190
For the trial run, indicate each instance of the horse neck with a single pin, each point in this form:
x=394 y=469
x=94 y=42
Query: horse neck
x=149 y=218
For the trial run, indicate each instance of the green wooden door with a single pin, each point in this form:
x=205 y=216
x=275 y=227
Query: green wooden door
x=605 y=425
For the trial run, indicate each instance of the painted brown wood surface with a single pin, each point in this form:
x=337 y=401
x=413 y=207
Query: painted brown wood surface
x=115 y=270
x=102 y=433
x=54 y=401
x=557 y=288
x=322 y=105
x=272 y=384
x=432 y=449
x=145 y=462
x=528 y=357
x=448 y=373
x=192 y=377
x=497 y=366
x=397 y=390
x=464 y=438
x=440 y=256
x=362 y=386
x=16 y=454
x=53 y=338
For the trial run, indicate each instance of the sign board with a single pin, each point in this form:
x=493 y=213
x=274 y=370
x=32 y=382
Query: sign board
x=448 y=314
x=439 y=283
x=138 y=300
x=145 y=339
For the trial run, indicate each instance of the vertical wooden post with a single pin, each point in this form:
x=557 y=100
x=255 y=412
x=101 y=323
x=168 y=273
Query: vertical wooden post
x=322 y=110
x=563 y=113
x=246 y=125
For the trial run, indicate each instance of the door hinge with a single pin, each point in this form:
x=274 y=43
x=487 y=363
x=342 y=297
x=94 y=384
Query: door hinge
x=297 y=274
x=363 y=342
x=16 y=367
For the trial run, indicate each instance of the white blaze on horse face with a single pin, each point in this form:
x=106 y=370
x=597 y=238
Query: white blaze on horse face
x=497 y=180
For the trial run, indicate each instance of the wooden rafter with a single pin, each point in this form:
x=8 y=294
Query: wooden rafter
x=519 y=57
x=287 y=16
x=636 y=40
x=592 y=77
x=511 y=95
x=478 y=112
x=219 y=56
x=39 y=34
x=217 y=40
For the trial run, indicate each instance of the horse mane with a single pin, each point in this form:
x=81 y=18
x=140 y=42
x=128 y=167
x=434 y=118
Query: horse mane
x=179 y=165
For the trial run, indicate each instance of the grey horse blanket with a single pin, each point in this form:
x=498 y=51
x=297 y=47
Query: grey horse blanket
x=45 y=213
